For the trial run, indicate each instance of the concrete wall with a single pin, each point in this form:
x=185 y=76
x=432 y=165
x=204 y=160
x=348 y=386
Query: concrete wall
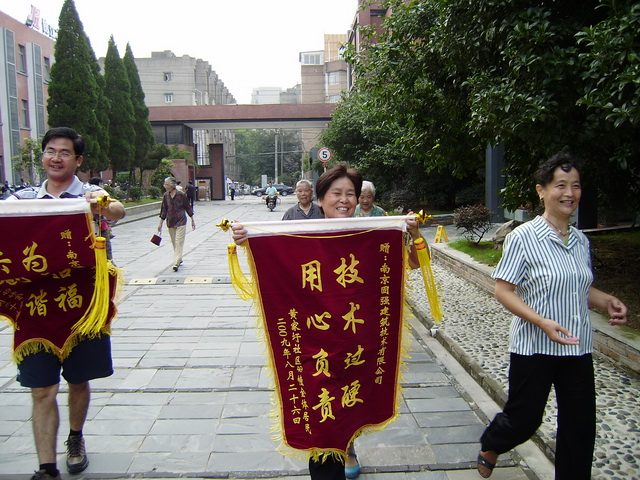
x=620 y=344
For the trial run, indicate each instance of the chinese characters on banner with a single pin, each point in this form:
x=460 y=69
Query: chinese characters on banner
x=47 y=272
x=332 y=305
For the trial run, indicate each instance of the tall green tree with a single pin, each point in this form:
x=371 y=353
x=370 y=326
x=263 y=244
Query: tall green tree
x=144 y=135
x=122 y=136
x=74 y=93
x=255 y=152
x=28 y=163
x=537 y=76
x=102 y=113
x=610 y=66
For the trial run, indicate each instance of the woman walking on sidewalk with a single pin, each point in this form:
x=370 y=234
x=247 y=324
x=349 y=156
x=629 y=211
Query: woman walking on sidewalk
x=544 y=279
x=175 y=205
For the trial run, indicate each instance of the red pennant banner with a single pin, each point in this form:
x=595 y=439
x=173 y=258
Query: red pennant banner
x=47 y=272
x=332 y=305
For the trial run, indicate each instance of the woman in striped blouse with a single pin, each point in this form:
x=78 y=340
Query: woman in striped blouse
x=544 y=279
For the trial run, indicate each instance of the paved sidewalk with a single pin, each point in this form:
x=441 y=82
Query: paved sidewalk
x=190 y=396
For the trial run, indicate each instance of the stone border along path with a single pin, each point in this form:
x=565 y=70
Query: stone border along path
x=476 y=324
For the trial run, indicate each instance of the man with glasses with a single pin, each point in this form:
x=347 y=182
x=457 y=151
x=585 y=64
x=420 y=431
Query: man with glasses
x=62 y=154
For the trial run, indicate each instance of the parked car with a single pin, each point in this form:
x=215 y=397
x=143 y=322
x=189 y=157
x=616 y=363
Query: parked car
x=283 y=190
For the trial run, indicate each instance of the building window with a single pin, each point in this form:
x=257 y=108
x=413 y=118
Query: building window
x=167 y=76
x=168 y=98
x=25 y=114
x=312 y=58
x=334 y=78
x=47 y=69
x=174 y=134
x=22 y=53
x=334 y=98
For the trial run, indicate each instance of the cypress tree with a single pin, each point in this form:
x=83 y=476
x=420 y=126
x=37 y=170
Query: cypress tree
x=122 y=136
x=142 y=126
x=74 y=91
x=102 y=114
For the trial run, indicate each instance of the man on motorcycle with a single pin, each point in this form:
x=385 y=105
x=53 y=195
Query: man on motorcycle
x=271 y=192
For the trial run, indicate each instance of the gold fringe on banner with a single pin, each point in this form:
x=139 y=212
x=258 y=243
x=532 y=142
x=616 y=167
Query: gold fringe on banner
x=42 y=344
x=96 y=316
x=428 y=279
x=243 y=286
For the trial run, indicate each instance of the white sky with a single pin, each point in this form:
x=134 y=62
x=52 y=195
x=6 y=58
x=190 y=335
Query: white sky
x=249 y=43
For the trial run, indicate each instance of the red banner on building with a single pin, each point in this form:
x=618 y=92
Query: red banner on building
x=330 y=294
x=55 y=283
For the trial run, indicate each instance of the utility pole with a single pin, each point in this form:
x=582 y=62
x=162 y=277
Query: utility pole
x=275 y=160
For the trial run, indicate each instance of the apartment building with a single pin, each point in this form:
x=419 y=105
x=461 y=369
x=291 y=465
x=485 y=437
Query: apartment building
x=265 y=95
x=171 y=80
x=26 y=56
x=324 y=76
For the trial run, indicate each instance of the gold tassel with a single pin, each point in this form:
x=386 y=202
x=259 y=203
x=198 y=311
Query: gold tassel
x=428 y=279
x=242 y=285
x=96 y=315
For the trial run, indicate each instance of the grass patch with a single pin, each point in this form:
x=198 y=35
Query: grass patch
x=616 y=264
x=616 y=268
x=144 y=201
x=482 y=252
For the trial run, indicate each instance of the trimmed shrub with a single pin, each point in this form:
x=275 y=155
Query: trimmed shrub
x=115 y=192
x=135 y=193
x=154 y=192
x=473 y=220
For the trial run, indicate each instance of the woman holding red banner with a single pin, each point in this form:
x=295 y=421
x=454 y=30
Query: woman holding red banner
x=338 y=190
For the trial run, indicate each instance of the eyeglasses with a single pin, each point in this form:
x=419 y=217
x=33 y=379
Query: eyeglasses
x=49 y=154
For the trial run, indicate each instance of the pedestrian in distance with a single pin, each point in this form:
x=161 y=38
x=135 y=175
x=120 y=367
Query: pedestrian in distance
x=544 y=278
x=338 y=190
x=305 y=208
x=232 y=190
x=63 y=150
x=191 y=193
x=366 y=207
x=174 y=209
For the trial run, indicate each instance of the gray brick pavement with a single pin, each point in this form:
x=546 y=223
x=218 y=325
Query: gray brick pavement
x=190 y=395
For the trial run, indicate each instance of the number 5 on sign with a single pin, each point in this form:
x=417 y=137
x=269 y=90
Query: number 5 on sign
x=324 y=154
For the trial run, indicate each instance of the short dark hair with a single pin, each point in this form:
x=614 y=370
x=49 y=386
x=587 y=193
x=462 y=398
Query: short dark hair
x=64 y=132
x=339 y=171
x=96 y=181
x=564 y=160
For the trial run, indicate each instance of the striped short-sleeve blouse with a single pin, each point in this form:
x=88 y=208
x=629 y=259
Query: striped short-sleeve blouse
x=553 y=278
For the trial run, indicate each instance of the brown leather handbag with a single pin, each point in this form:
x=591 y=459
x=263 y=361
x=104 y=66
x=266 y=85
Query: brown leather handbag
x=156 y=239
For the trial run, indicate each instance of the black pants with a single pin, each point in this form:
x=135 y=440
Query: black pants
x=530 y=381
x=330 y=469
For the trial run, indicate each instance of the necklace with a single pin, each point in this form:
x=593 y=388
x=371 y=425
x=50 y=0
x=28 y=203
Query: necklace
x=563 y=234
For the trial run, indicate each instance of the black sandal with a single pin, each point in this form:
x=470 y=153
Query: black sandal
x=481 y=462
